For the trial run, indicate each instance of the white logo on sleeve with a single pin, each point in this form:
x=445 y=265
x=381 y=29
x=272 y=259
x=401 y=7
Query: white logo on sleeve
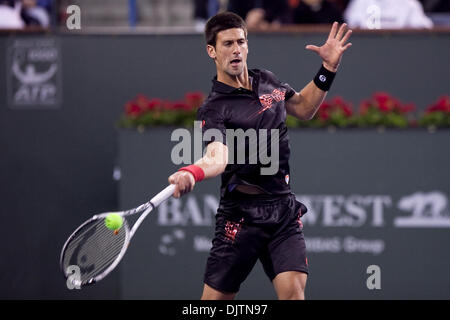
x=322 y=78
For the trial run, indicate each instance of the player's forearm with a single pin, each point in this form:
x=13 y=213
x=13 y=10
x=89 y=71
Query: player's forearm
x=215 y=160
x=210 y=165
x=304 y=104
x=313 y=98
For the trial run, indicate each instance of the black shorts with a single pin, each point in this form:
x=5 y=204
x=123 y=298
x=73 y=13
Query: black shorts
x=249 y=228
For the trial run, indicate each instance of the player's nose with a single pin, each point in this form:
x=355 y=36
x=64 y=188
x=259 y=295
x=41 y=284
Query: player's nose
x=236 y=49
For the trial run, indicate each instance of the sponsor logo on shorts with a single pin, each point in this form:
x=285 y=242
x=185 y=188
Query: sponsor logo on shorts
x=232 y=229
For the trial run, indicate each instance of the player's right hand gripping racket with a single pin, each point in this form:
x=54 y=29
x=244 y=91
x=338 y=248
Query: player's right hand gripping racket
x=93 y=251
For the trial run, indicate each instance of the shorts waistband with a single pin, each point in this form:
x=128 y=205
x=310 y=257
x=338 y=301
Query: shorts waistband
x=236 y=196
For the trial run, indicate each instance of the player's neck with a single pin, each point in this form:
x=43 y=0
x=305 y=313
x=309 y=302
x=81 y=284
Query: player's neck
x=239 y=81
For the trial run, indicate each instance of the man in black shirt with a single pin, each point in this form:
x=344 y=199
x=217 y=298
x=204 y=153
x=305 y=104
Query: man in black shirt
x=258 y=216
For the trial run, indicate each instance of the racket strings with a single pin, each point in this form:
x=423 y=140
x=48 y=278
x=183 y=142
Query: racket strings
x=97 y=253
x=93 y=249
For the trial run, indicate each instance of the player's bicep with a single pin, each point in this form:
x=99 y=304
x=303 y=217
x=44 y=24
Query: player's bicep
x=215 y=158
x=213 y=126
x=294 y=105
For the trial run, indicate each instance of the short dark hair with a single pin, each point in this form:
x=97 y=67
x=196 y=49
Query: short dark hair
x=220 y=22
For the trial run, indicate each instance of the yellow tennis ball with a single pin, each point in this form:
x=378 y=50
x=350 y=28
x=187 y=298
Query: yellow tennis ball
x=113 y=221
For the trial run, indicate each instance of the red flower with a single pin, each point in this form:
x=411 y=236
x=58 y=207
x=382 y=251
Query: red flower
x=385 y=104
x=347 y=110
x=337 y=104
x=141 y=101
x=325 y=106
x=384 y=108
x=338 y=101
x=180 y=105
x=407 y=108
x=324 y=116
x=442 y=105
x=154 y=103
x=382 y=99
x=194 y=99
x=364 y=107
x=167 y=105
x=132 y=109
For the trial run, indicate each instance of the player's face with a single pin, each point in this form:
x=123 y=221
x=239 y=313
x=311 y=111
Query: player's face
x=230 y=53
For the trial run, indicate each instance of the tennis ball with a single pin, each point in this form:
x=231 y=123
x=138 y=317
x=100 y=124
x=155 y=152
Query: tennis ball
x=113 y=221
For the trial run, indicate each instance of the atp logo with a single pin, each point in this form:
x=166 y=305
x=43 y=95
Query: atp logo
x=34 y=74
x=429 y=210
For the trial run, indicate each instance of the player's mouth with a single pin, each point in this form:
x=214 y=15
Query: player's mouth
x=235 y=62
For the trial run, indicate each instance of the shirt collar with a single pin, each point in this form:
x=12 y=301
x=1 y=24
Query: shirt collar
x=224 y=88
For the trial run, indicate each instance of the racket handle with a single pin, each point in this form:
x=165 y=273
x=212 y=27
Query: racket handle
x=163 y=195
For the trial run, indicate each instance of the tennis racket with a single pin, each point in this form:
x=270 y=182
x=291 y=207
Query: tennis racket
x=92 y=251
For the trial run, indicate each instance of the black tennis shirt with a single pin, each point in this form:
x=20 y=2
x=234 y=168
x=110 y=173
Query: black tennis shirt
x=262 y=108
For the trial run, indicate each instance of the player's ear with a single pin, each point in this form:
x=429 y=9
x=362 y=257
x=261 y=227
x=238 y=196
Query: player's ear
x=211 y=51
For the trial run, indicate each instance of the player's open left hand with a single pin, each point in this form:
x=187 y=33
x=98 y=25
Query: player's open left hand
x=184 y=182
x=331 y=52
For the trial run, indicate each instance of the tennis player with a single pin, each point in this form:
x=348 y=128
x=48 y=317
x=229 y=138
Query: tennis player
x=258 y=216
